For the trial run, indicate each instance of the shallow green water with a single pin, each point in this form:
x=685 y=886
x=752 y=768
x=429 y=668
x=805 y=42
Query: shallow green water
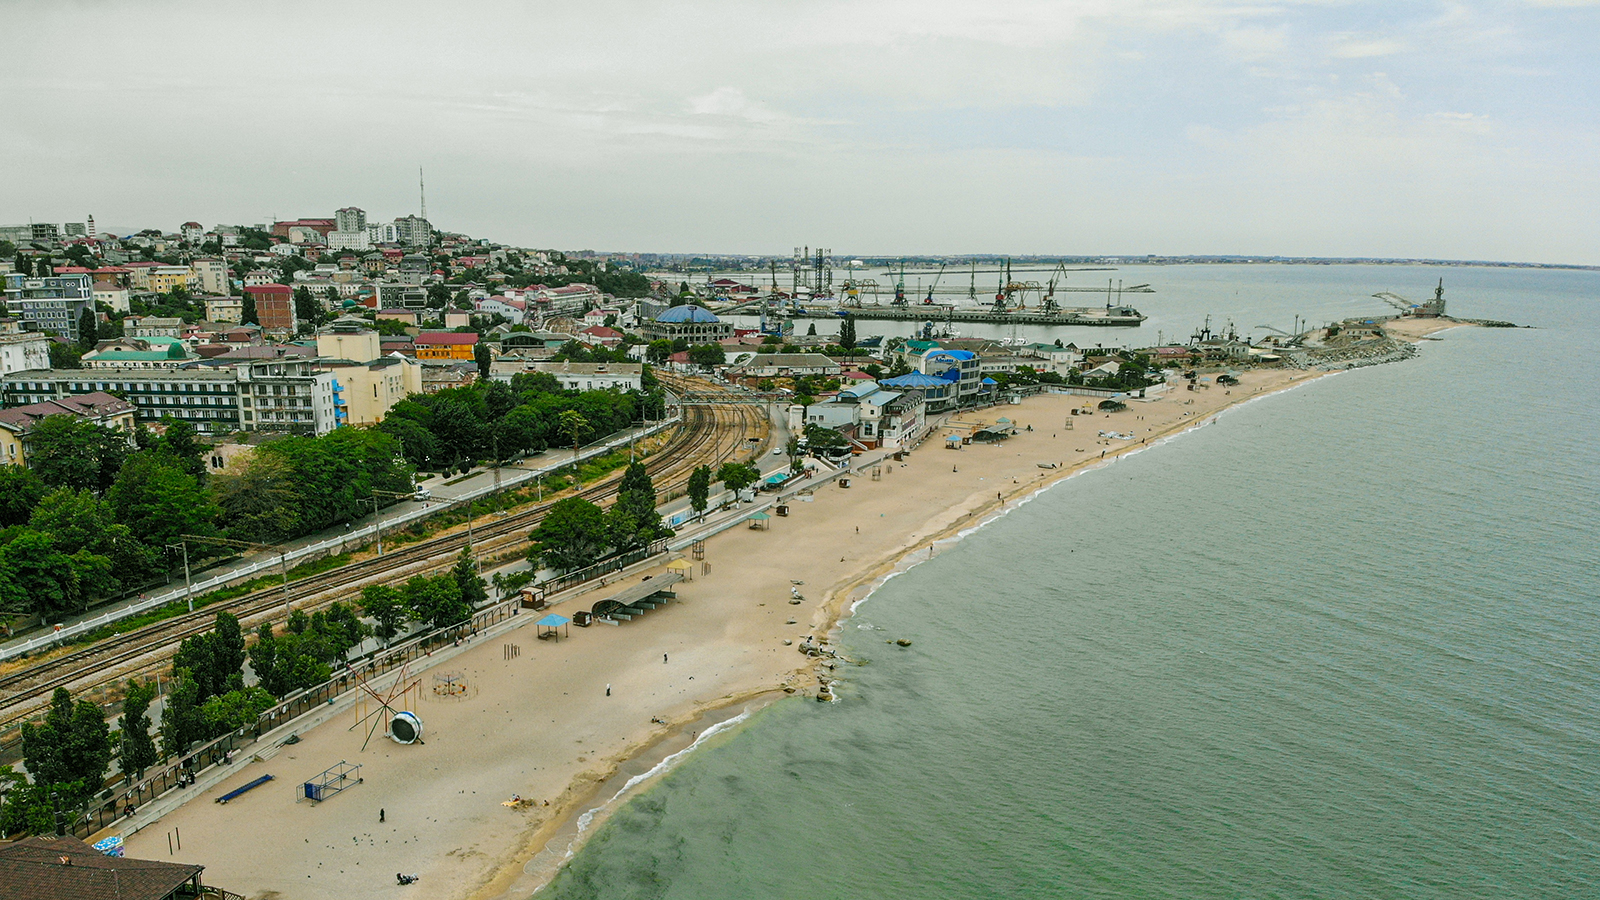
x=1340 y=643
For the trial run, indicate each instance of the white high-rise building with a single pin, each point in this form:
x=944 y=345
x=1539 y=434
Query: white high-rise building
x=350 y=219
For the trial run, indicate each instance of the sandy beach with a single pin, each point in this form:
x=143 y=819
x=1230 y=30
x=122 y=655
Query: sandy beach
x=559 y=719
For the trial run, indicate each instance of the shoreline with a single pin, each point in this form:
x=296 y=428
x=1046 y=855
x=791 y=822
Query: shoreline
x=718 y=629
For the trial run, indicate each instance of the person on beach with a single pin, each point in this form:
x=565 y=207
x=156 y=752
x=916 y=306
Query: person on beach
x=608 y=690
x=380 y=814
x=663 y=659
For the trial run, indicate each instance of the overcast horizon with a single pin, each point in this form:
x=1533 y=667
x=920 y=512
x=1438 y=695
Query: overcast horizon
x=1172 y=127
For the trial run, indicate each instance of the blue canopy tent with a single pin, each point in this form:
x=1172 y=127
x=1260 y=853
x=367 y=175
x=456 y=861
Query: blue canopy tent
x=554 y=623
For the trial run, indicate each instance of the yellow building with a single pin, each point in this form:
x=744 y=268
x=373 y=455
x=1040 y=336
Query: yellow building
x=348 y=341
x=447 y=345
x=365 y=392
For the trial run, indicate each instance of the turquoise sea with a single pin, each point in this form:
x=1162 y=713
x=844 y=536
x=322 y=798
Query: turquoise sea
x=1340 y=643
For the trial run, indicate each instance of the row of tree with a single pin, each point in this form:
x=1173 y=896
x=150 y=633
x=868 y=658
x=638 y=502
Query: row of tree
x=94 y=516
x=494 y=420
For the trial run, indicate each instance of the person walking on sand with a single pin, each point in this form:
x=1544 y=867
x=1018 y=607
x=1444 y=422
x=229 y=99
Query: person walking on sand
x=663 y=659
x=608 y=690
x=380 y=814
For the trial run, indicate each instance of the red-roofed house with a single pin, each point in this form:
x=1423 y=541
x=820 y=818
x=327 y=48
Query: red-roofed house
x=599 y=335
x=98 y=407
x=445 y=345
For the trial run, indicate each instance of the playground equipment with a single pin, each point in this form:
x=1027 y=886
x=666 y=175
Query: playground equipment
x=240 y=790
x=383 y=708
x=332 y=780
x=405 y=728
x=449 y=684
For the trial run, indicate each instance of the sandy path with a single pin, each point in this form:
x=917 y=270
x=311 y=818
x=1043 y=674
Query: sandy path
x=541 y=725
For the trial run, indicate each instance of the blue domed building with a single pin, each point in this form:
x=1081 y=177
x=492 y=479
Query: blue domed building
x=696 y=324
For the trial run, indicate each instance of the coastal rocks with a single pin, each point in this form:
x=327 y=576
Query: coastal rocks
x=900 y=641
x=824 y=696
x=788 y=643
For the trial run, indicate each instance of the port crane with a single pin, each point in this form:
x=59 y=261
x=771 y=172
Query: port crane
x=928 y=300
x=900 y=287
x=1048 y=303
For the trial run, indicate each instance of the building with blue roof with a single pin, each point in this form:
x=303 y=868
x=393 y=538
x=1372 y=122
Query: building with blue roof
x=695 y=324
x=958 y=366
x=874 y=415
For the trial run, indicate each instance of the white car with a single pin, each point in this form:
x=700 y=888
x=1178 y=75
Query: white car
x=777 y=451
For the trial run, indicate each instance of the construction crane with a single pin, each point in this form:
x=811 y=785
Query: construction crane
x=900 y=286
x=928 y=301
x=972 y=284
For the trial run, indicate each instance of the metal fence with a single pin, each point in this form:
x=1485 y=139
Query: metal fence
x=603 y=567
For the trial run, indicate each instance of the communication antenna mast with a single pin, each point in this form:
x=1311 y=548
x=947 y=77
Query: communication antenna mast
x=422 y=192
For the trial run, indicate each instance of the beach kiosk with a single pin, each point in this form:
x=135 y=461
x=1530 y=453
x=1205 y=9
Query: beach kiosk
x=683 y=567
x=550 y=627
x=760 y=521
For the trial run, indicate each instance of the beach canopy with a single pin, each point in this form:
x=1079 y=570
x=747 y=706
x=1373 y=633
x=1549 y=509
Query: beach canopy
x=553 y=621
x=760 y=516
x=680 y=564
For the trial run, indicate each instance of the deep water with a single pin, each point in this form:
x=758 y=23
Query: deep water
x=1340 y=643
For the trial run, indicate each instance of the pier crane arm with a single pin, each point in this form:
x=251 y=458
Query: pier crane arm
x=1395 y=300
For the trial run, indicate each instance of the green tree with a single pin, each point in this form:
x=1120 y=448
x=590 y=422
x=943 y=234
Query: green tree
x=387 y=609
x=482 y=356
x=575 y=427
x=658 y=351
x=306 y=307
x=708 y=355
x=20 y=491
x=154 y=493
x=70 y=751
x=233 y=710
x=737 y=476
x=792 y=449
x=437 y=601
x=847 y=332
x=572 y=535
x=700 y=489
x=67 y=451
x=88 y=329
x=65 y=356
x=465 y=572
x=181 y=724
x=636 y=501
x=247 y=312
x=138 y=747
x=38 y=577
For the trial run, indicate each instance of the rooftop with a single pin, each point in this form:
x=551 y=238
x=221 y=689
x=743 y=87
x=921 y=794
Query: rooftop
x=679 y=315
x=58 y=868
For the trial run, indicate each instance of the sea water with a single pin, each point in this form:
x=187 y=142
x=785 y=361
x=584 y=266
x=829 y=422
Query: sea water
x=1340 y=643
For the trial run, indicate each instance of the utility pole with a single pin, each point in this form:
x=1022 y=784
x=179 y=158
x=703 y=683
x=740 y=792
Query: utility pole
x=188 y=583
x=283 y=565
x=377 y=523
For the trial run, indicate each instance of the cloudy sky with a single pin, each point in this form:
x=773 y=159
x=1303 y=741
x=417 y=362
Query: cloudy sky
x=1454 y=130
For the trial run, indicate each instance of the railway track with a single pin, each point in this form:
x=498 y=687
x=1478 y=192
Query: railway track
x=711 y=434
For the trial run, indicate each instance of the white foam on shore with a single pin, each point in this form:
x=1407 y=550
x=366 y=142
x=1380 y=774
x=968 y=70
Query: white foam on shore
x=666 y=764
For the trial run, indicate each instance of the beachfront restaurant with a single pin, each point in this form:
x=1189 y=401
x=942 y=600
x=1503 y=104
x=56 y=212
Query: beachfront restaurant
x=999 y=431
